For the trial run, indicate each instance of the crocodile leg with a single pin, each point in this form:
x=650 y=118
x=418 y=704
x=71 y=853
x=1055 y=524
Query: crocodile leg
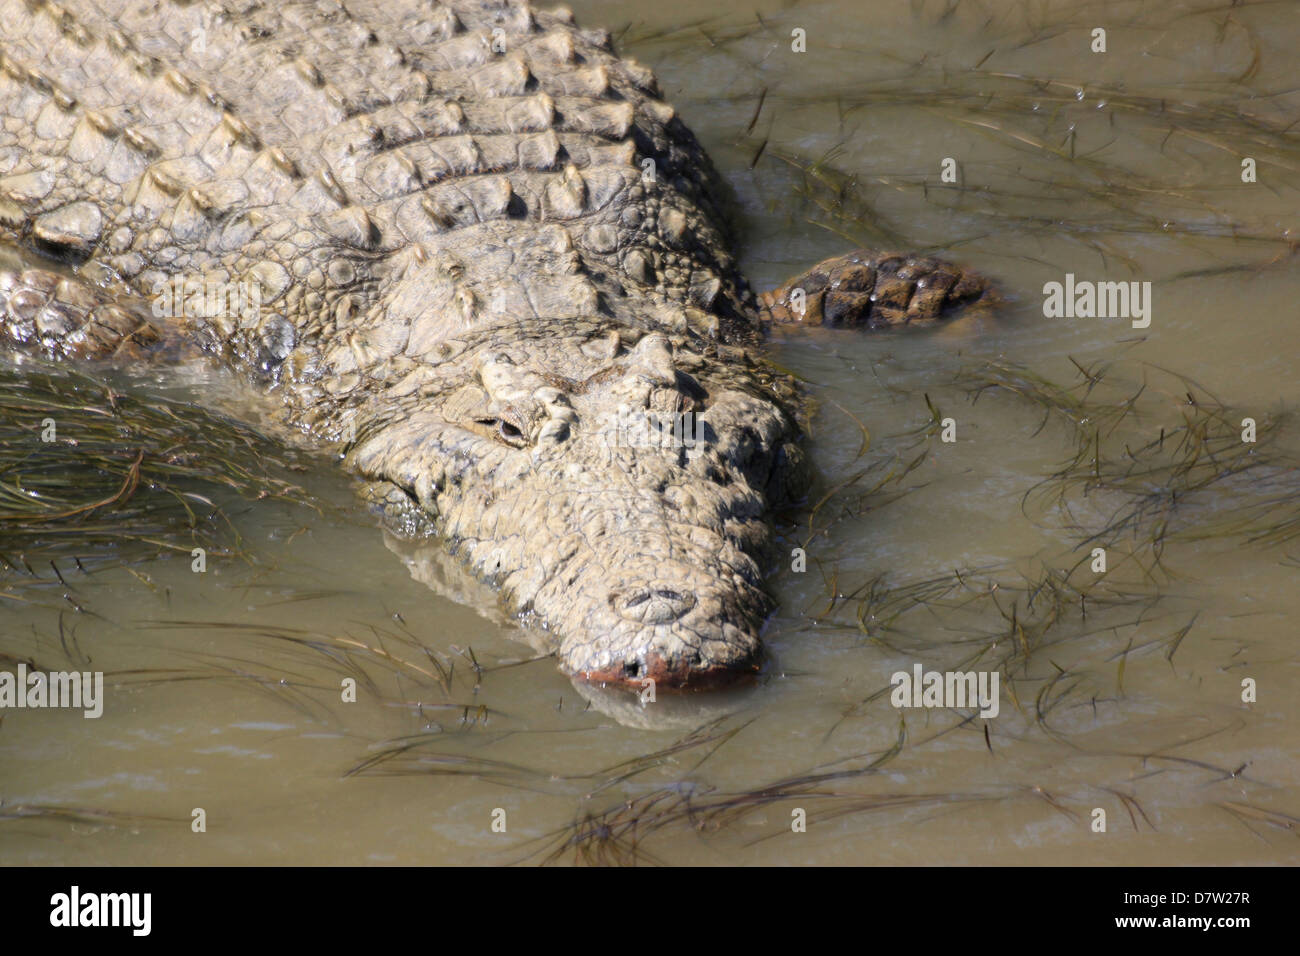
x=874 y=290
x=61 y=316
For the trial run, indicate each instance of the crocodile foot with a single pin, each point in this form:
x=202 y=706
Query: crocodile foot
x=874 y=290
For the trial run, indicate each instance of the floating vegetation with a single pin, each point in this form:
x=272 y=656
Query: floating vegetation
x=89 y=475
x=615 y=836
x=297 y=666
x=1026 y=610
x=427 y=754
x=1097 y=162
x=1156 y=460
x=1251 y=817
x=390 y=664
x=1096 y=204
x=618 y=834
x=84 y=816
x=873 y=482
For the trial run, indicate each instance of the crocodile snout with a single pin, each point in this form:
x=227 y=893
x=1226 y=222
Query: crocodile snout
x=677 y=673
x=674 y=635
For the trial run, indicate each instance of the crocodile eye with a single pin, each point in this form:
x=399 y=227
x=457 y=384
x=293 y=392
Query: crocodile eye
x=505 y=431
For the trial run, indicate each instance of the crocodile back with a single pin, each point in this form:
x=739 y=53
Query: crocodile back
x=383 y=174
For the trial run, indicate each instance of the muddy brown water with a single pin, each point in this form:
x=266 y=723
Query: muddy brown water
x=1120 y=692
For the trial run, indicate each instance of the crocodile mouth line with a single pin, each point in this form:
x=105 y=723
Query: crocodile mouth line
x=664 y=675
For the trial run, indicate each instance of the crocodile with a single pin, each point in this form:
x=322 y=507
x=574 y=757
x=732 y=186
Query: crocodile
x=469 y=243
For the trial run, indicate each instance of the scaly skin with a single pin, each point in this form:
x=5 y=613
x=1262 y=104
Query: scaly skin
x=483 y=252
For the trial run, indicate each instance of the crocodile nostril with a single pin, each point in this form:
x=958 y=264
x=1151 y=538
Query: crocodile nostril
x=653 y=604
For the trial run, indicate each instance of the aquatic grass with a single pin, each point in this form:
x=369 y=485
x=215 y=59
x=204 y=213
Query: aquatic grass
x=1041 y=182
x=427 y=753
x=1100 y=216
x=342 y=651
x=874 y=482
x=1250 y=816
x=618 y=834
x=391 y=664
x=299 y=666
x=1163 y=455
x=124 y=478
x=1132 y=485
x=83 y=816
x=1055 y=171
x=994 y=619
x=613 y=835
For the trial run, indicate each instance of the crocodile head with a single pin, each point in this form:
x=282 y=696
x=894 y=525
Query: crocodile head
x=615 y=485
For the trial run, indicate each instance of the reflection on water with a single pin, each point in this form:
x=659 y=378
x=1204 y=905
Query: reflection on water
x=322 y=704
